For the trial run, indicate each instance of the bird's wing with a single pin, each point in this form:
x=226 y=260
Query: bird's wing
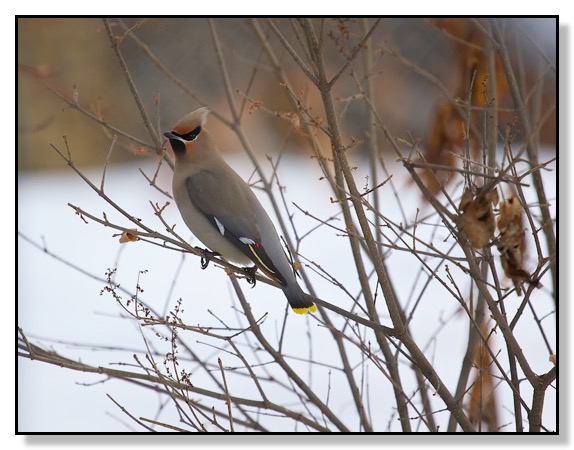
x=229 y=208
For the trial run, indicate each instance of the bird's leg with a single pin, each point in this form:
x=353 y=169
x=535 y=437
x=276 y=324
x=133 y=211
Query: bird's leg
x=207 y=255
x=250 y=275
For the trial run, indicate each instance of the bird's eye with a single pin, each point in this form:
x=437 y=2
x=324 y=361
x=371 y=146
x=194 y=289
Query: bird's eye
x=192 y=135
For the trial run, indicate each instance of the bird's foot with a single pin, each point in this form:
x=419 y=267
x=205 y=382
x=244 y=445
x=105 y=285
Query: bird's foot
x=207 y=255
x=250 y=275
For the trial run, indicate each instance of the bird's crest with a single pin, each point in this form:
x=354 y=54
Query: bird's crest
x=191 y=121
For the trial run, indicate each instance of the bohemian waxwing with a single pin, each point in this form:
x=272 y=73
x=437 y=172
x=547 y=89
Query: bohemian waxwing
x=223 y=212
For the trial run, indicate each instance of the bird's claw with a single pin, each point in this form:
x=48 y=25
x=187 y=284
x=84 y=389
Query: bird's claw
x=207 y=255
x=250 y=275
x=204 y=262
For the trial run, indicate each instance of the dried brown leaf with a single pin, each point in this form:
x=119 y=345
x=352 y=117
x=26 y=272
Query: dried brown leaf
x=445 y=135
x=477 y=218
x=128 y=237
x=482 y=405
x=511 y=242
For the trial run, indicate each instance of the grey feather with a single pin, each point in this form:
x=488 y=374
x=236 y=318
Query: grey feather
x=223 y=212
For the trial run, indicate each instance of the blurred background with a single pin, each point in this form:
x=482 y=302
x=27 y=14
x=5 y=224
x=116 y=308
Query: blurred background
x=60 y=58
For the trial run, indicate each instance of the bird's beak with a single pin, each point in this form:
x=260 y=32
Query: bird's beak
x=170 y=135
x=177 y=143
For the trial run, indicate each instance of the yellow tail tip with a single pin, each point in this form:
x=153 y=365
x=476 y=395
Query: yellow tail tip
x=305 y=310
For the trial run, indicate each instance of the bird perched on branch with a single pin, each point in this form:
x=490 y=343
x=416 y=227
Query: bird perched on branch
x=222 y=211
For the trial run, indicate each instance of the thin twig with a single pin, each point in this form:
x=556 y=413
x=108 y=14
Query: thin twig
x=228 y=401
x=114 y=140
x=146 y=120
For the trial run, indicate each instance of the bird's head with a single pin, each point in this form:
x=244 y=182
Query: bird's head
x=187 y=132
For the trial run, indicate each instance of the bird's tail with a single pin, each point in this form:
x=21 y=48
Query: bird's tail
x=300 y=302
